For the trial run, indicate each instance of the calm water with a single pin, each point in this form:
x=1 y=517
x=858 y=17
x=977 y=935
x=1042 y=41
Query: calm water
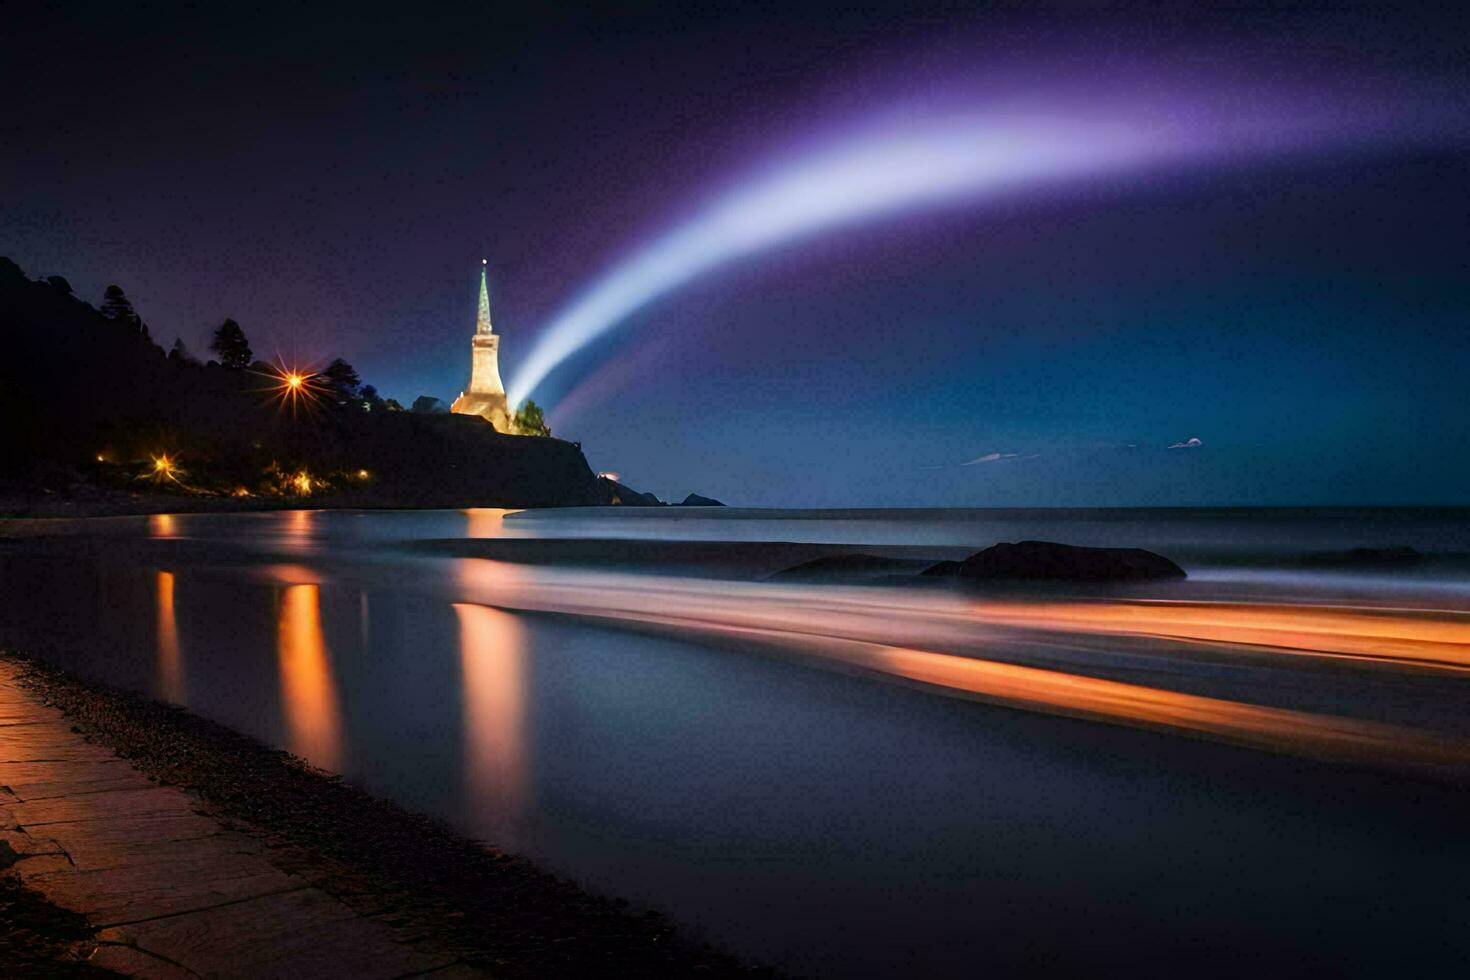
x=1257 y=768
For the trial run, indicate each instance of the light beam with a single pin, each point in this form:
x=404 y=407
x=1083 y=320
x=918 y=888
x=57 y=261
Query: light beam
x=972 y=155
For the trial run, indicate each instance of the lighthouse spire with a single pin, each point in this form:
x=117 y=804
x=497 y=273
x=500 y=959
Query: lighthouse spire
x=482 y=319
x=485 y=395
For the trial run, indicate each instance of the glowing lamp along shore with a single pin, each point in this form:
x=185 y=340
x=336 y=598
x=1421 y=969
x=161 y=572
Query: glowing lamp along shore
x=292 y=385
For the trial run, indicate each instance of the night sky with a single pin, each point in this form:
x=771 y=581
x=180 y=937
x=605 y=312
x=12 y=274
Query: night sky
x=1256 y=238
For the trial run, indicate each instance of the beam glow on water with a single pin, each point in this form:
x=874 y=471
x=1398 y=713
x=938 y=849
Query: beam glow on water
x=1162 y=670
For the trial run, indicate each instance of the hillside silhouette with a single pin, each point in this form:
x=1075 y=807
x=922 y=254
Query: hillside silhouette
x=92 y=406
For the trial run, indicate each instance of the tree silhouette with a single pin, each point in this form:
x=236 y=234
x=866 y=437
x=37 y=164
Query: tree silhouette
x=529 y=420
x=427 y=403
x=341 y=380
x=371 y=400
x=231 y=346
x=116 y=306
x=179 y=353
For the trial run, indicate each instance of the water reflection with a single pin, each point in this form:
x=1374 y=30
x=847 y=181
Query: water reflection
x=486 y=522
x=170 y=659
x=950 y=642
x=162 y=526
x=298 y=528
x=362 y=620
x=1428 y=639
x=308 y=693
x=492 y=657
x=754 y=801
x=290 y=574
x=1257 y=726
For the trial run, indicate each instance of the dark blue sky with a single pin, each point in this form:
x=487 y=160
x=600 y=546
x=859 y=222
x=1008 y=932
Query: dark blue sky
x=331 y=182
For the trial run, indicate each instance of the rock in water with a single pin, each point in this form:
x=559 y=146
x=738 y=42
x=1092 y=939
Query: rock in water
x=695 y=500
x=855 y=566
x=617 y=495
x=1061 y=562
x=943 y=568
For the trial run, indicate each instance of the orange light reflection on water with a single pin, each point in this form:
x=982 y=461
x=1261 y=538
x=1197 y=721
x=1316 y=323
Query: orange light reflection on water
x=492 y=657
x=1235 y=722
x=907 y=634
x=1423 y=638
x=309 y=704
x=486 y=522
x=299 y=526
x=170 y=658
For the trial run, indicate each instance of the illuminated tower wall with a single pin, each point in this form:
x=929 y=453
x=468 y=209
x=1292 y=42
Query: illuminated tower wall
x=485 y=395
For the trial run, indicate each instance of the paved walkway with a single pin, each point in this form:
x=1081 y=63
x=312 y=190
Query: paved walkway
x=173 y=893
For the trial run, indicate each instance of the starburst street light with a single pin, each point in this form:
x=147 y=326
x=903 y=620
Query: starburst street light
x=164 y=469
x=292 y=386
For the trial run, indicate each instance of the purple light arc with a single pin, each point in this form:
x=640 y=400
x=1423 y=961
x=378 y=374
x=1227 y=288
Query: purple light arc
x=903 y=164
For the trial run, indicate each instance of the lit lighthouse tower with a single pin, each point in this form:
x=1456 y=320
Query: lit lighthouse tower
x=485 y=396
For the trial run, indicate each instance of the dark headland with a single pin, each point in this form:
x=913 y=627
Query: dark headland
x=101 y=420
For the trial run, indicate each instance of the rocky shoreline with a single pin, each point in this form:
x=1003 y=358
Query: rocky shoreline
x=493 y=910
x=85 y=500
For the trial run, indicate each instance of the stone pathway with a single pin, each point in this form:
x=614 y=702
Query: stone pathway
x=171 y=891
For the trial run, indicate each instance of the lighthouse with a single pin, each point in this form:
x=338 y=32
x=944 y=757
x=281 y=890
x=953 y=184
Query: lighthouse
x=485 y=395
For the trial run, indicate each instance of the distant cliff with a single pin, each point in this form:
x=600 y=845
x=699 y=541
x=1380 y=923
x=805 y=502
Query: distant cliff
x=89 y=402
x=460 y=460
x=616 y=494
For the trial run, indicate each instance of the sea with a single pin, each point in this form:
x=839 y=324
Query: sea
x=870 y=773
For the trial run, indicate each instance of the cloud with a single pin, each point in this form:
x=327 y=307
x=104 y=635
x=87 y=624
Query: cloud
x=991 y=458
x=1191 y=443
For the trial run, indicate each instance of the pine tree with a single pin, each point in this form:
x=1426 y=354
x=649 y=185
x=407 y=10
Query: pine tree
x=179 y=353
x=340 y=378
x=529 y=420
x=231 y=346
x=116 y=306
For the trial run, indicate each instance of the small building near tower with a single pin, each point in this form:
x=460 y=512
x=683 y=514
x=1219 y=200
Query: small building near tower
x=485 y=395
